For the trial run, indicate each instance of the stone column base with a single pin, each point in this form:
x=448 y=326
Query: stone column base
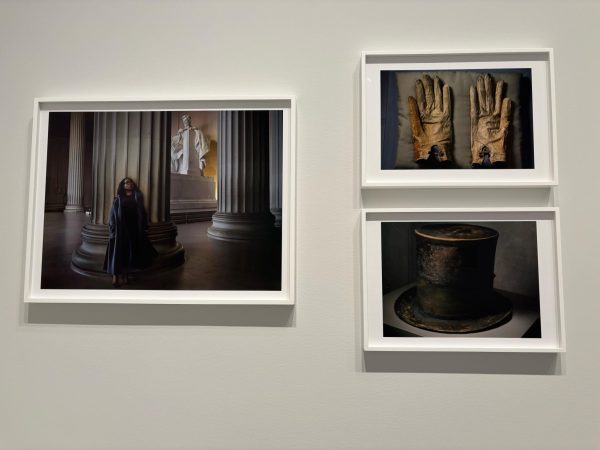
x=73 y=208
x=88 y=258
x=241 y=227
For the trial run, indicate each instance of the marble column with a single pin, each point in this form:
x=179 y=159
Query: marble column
x=135 y=145
x=75 y=173
x=243 y=185
x=276 y=163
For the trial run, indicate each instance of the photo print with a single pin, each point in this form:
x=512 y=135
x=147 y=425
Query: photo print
x=460 y=279
x=163 y=200
x=457 y=119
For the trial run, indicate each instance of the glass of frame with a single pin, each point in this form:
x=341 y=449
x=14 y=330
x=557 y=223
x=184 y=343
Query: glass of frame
x=458 y=118
x=462 y=280
x=146 y=200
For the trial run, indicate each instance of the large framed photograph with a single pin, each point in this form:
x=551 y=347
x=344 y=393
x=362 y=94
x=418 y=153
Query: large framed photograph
x=462 y=280
x=185 y=200
x=458 y=118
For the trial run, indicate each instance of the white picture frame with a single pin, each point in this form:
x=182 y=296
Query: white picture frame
x=378 y=308
x=33 y=293
x=541 y=64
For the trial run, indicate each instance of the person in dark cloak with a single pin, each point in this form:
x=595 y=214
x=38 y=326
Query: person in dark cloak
x=128 y=247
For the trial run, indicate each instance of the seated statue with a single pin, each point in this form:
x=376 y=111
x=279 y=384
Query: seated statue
x=180 y=148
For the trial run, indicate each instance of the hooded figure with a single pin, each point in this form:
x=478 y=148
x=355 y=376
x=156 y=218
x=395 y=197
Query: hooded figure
x=128 y=245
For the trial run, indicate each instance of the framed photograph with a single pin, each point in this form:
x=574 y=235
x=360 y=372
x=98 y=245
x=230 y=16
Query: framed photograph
x=178 y=200
x=458 y=118
x=462 y=280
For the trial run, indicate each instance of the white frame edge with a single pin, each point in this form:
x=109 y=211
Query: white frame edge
x=200 y=297
x=553 y=153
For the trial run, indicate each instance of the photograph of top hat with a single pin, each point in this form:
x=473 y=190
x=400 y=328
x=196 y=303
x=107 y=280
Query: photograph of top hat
x=461 y=279
x=162 y=201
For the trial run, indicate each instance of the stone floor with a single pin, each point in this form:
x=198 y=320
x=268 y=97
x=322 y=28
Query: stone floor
x=210 y=264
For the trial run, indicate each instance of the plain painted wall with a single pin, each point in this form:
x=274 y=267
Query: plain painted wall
x=186 y=377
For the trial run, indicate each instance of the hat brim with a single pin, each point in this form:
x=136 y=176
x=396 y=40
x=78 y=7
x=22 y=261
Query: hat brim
x=498 y=310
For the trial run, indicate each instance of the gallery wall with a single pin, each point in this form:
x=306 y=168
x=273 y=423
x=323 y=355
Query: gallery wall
x=254 y=377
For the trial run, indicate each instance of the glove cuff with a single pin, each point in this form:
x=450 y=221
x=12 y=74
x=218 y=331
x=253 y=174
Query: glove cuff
x=485 y=155
x=435 y=150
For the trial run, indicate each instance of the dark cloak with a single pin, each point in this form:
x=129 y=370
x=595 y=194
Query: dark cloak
x=129 y=248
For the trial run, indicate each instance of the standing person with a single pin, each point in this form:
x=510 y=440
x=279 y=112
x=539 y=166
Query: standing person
x=128 y=245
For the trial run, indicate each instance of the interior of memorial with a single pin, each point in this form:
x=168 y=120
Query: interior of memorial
x=205 y=191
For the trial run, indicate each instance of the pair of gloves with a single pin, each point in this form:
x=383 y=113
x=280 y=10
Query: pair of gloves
x=431 y=124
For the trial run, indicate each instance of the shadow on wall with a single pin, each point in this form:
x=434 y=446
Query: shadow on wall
x=465 y=362
x=161 y=315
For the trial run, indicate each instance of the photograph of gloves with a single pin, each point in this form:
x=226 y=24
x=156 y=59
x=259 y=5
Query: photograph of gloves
x=485 y=114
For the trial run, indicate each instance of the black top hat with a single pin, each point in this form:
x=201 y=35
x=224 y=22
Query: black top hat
x=454 y=290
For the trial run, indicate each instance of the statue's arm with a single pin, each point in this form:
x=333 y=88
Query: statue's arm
x=176 y=146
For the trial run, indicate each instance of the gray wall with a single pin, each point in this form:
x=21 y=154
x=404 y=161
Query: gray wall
x=158 y=377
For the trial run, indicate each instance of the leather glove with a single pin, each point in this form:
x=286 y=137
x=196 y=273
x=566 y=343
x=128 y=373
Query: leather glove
x=490 y=121
x=430 y=120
